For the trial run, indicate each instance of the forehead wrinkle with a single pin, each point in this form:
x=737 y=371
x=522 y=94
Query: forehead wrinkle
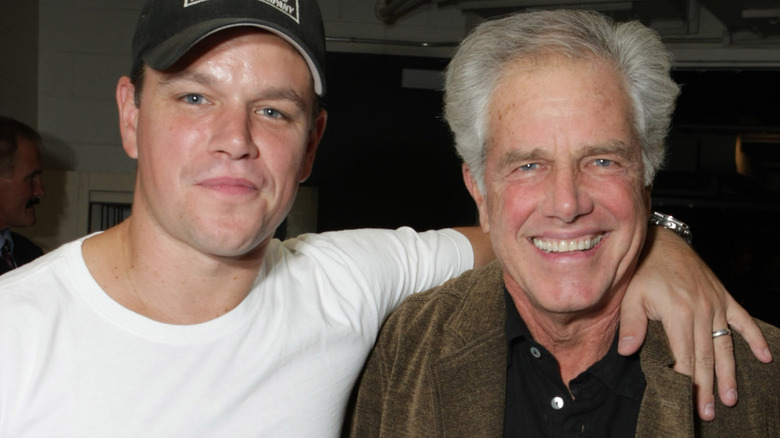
x=612 y=147
x=168 y=79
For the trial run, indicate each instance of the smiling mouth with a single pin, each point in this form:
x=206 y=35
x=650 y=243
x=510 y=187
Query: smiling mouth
x=566 y=245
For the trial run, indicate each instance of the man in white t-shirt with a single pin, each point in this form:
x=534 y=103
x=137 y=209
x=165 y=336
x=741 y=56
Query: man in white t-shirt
x=188 y=318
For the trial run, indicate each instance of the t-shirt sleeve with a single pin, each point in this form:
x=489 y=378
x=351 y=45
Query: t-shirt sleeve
x=382 y=267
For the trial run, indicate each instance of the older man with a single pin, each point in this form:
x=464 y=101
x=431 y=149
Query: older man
x=560 y=118
x=20 y=191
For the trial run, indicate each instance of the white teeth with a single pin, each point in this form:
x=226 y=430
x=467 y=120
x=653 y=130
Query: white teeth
x=566 y=245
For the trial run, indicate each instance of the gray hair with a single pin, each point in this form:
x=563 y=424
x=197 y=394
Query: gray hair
x=636 y=52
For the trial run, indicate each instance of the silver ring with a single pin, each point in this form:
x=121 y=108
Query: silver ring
x=721 y=332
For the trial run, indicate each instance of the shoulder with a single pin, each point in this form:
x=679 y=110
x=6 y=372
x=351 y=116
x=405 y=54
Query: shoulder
x=752 y=375
x=472 y=302
x=749 y=364
x=378 y=240
x=41 y=277
x=657 y=347
x=395 y=262
x=757 y=413
x=471 y=284
x=771 y=333
x=21 y=240
x=33 y=297
x=25 y=247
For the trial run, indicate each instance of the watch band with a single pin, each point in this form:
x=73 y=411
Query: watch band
x=681 y=228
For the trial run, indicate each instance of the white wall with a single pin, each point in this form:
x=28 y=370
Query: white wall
x=19 y=60
x=84 y=48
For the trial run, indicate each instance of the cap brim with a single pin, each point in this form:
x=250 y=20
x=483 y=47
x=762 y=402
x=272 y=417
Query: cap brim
x=167 y=53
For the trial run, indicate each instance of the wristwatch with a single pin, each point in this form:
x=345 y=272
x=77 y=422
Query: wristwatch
x=681 y=228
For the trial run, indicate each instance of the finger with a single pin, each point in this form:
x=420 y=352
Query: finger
x=681 y=342
x=740 y=321
x=725 y=369
x=704 y=372
x=688 y=351
x=633 y=327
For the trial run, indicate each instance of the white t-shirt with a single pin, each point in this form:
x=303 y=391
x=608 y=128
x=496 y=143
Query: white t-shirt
x=75 y=363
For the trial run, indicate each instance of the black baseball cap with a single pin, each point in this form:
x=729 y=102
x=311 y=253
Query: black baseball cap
x=167 y=29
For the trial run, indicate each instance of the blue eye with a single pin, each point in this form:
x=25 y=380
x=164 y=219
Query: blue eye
x=195 y=99
x=529 y=166
x=603 y=162
x=271 y=112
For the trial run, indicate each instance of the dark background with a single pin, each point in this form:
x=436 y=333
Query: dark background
x=387 y=160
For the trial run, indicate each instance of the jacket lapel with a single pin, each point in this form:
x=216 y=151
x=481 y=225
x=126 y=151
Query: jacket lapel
x=667 y=406
x=470 y=377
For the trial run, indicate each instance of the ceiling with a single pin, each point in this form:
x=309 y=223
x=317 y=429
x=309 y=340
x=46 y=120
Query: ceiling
x=757 y=21
x=760 y=17
x=730 y=47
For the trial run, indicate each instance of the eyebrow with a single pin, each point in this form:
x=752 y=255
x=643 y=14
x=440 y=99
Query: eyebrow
x=285 y=94
x=612 y=147
x=274 y=93
x=514 y=156
x=184 y=76
x=34 y=173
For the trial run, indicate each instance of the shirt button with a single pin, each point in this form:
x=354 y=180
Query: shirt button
x=535 y=352
x=557 y=403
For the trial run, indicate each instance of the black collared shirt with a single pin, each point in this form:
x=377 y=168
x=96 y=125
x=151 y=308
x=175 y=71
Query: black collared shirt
x=606 y=397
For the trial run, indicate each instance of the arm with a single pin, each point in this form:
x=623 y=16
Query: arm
x=480 y=244
x=673 y=285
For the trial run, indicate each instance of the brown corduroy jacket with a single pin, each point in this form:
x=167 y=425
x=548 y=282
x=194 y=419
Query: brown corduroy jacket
x=439 y=370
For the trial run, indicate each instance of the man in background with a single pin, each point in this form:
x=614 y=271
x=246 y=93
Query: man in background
x=20 y=191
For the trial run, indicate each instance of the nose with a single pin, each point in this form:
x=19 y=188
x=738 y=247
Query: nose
x=566 y=197
x=233 y=135
x=38 y=190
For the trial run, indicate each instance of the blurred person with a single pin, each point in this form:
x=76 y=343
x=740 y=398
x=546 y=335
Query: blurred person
x=20 y=191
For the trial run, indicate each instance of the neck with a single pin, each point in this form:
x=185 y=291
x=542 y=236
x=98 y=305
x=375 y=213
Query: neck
x=167 y=281
x=576 y=340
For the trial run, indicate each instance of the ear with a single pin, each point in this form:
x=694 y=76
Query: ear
x=315 y=136
x=479 y=198
x=128 y=115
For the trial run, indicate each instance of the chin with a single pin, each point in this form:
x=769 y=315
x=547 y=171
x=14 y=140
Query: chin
x=27 y=223
x=237 y=248
x=574 y=301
